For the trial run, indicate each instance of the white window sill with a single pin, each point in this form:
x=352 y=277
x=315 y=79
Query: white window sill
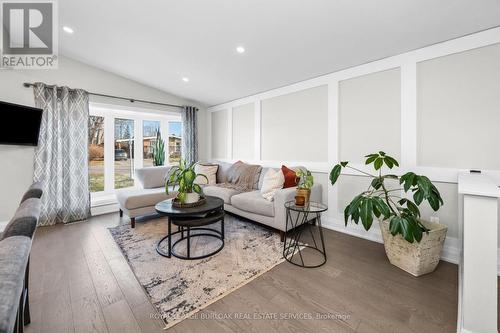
x=98 y=200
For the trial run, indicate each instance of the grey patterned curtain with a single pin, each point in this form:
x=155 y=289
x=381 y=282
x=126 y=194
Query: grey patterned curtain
x=190 y=134
x=61 y=158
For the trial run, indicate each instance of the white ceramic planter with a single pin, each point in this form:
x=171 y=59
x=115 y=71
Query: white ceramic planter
x=192 y=198
x=415 y=258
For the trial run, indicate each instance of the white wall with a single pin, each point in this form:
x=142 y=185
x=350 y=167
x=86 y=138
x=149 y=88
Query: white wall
x=366 y=104
x=220 y=134
x=459 y=107
x=243 y=132
x=16 y=167
x=411 y=95
x=294 y=126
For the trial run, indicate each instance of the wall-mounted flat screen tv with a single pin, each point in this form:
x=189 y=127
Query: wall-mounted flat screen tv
x=19 y=124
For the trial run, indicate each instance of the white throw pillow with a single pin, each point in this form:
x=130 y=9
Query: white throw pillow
x=208 y=170
x=273 y=181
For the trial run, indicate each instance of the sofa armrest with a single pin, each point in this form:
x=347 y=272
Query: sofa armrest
x=152 y=177
x=288 y=194
x=34 y=191
x=14 y=254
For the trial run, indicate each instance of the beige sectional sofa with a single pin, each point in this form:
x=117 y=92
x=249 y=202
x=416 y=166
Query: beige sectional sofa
x=251 y=205
x=140 y=201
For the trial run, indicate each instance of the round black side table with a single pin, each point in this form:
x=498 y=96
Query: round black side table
x=188 y=220
x=299 y=220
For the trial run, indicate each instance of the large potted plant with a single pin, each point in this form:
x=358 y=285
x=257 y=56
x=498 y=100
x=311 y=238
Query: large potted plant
x=183 y=177
x=411 y=243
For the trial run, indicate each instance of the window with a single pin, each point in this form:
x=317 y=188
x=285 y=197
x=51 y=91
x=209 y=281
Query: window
x=174 y=142
x=150 y=131
x=120 y=141
x=96 y=153
x=124 y=153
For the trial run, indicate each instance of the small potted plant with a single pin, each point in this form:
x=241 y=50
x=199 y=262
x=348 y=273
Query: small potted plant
x=411 y=243
x=306 y=181
x=183 y=176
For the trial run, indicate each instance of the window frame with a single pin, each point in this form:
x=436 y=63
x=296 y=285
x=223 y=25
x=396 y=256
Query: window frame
x=138 y=115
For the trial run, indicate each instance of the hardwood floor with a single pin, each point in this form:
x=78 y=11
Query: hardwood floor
x=80 y=282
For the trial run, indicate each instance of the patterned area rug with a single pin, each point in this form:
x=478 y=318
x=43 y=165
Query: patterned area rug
x=179 y=288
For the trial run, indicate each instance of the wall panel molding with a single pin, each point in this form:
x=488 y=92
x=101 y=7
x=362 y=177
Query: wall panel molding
x=258 y=130
x=407 y=62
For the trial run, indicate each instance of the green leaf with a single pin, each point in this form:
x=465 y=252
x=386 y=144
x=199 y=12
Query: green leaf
x=437 y=194
x=395 y=225
x=189 y=176
x=418 y=197
x=366 y=213
x=412 y=208
x=197 y=188
x=344 y=164
x=417 y=230
x=355 y=216
x=382 y=207
x=407 y=180
x=407 y=229
x=381 y=153
x=181 y=196
x=354 y=205
x=371 y=159
x=346 y=214
x=202 y=176
x=393 y=161
x=433 y=202
x=402 y=179
x=388 y=162
x=376 y=211
x=424 y=184
x=335 y=173
x=378 y=163
x=376 y=183
x=400 y=225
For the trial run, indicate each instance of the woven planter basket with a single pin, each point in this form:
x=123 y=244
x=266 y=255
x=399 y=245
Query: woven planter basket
x=415 y=258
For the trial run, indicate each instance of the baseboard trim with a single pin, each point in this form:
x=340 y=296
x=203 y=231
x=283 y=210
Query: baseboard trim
x=451 y=249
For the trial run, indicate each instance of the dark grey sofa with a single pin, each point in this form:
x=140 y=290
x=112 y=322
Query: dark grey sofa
x=15 y=247
x=25 y=219
x=34 y=191
x=14 y=309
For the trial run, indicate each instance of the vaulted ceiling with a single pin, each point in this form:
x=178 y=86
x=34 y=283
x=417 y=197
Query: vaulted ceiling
x=159 y=42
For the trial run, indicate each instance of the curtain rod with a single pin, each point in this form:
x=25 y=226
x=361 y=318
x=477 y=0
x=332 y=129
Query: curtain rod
x=131 y=100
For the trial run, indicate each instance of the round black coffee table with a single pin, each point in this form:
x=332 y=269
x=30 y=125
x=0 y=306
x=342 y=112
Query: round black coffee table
x=188 y=220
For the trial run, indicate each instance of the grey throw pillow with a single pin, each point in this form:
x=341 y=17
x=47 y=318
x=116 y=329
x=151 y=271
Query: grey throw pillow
x=244 y=175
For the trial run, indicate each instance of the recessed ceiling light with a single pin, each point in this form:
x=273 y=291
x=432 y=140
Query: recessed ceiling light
x=68 y=30
x=185 y=79
x=240 y=49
